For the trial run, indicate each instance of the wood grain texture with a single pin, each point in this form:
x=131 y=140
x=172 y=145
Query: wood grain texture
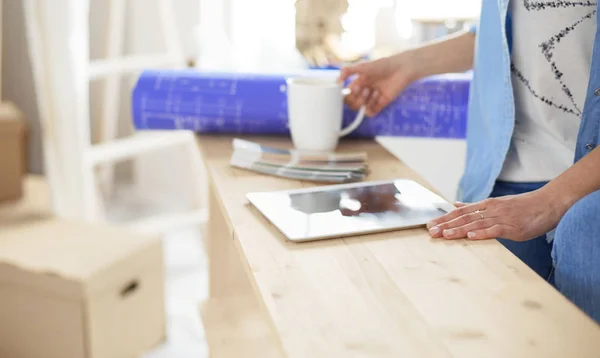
x=236 y=324
x=397 y=294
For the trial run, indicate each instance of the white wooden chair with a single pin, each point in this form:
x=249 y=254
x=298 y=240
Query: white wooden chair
x=58 y=36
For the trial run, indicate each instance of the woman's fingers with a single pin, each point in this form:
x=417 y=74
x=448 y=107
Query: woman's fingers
x=467 y=209
x=376 y=103
x=353 y=98
x=446 y=228
x=492 y=232
x=460 y=232
x=479 y=221
x=382 y=102
x=362 y=94
x=359 y=95
x=373 y=103
x=348 y=71
x=360 y=87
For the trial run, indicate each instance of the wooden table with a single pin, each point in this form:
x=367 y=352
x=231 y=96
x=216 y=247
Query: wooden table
x=398 y=294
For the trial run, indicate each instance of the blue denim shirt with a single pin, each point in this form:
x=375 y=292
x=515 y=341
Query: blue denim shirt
x=491 y=103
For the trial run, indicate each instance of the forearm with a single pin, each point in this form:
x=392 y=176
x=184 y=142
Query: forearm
x=452 y=53
x=578 y=181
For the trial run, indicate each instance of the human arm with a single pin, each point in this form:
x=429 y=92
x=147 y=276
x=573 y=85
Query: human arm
x=453 y=53
x=525 y=216
x=379 y=82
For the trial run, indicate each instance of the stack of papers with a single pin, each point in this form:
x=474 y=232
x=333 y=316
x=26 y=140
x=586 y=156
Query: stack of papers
x=317 y=167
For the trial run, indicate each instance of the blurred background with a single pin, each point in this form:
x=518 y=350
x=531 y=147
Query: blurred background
x=214 y=35
x=242 y=35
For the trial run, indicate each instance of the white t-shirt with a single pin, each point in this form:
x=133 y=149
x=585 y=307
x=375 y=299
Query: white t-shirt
x=551 y=57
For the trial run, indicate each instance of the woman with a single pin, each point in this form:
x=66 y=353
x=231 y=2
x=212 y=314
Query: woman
x=532 y=174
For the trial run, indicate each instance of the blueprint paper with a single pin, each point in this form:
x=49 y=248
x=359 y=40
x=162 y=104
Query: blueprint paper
x=245 y=103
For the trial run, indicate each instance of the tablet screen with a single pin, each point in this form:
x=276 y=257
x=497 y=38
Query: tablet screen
x=349 y=209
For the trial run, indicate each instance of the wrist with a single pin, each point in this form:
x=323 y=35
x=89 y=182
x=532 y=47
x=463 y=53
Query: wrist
x=453 y=53
x=407 y=62
x=558 y=199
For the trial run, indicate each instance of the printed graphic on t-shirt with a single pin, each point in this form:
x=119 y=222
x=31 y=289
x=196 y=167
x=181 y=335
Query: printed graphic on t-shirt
x=547 y=49
x=552 y=43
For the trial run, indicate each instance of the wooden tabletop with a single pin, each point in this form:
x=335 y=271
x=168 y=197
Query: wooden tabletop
x=398 y=294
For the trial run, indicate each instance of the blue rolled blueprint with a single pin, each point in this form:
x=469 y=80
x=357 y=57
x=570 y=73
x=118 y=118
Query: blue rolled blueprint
x=245 y=103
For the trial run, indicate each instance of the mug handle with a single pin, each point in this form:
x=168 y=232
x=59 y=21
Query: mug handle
x=357 y=121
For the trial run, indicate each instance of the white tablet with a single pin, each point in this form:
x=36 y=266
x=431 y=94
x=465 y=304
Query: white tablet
x=349 y=209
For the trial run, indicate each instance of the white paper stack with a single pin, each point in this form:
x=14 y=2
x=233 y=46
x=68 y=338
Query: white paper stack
x=317 y=167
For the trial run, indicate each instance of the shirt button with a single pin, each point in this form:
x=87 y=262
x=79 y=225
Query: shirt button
x=597 y=92
x=589 y=146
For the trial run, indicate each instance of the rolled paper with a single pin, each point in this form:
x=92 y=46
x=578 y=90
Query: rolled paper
x=250 y=103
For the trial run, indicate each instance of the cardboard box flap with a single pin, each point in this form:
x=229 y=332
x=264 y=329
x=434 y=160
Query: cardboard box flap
x=47 y=282
x=71 y=250
x=11 y=120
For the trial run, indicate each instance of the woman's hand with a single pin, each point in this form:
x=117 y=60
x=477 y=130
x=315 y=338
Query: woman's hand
x=517 y=217
x=378 y=82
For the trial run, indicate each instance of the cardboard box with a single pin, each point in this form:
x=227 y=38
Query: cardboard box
x=34 y=205
x=13 y=149
x=76 y=290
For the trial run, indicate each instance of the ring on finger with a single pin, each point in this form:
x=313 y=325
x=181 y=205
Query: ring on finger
x=480 y=214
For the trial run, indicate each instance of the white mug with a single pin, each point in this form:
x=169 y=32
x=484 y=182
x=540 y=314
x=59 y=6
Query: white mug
x=315 y=113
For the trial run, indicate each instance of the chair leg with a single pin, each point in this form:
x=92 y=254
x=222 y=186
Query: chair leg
x=37 y=44
x=199 y=171
x=65 y=27
x=109 y=118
